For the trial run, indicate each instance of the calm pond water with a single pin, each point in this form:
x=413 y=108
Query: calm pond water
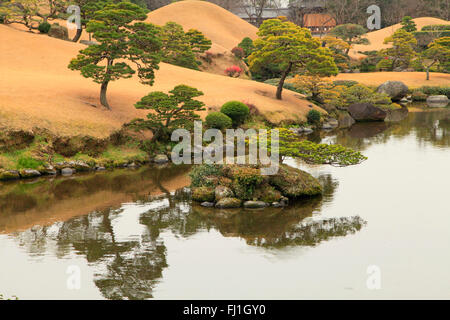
x=387 y=218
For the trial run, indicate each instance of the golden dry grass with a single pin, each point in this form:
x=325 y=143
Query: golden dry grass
x=225 y=29
x=411 y=79
x=376 y=38
x=38 y=90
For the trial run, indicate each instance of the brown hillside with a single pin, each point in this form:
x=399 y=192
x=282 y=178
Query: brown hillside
x=376 y=38
x=224 y=28
x=37 y=89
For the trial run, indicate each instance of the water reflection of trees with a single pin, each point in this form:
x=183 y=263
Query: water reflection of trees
x=428 y=127
x=130 y=268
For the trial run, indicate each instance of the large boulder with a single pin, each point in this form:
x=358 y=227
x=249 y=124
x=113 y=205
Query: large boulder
x=345 y=120
x=396 y=90
x=366 y=112
x=397 y=114
x=295 y=183
x=437 y=101
x=228 y=203
x=59 y=32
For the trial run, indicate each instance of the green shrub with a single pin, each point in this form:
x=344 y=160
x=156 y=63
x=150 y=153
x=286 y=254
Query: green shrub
x=247 y=45
x=419 y=96
x=236 y=110
x=313 y=116
x=346 y=83
x=219 y=120
x=436 y=91
x=198 y=174
x=44 y=27
x=436 y=27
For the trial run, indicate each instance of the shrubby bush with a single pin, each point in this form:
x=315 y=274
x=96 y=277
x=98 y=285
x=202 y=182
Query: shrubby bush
x=247 y=45
x=233 y=71
x=44 y=27
x=238 y=52
x=198 y=173
x=313 y=117
x=218 y=120
x=236 y=110
x=345 y=83
x=436 y=91
x=418 y=95
x=342 y=96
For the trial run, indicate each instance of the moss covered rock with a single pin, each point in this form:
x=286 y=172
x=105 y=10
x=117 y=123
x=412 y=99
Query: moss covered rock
x=28 y=173
x=203 y=194
x=229 y=203
x=9 y=175
x=295 y=183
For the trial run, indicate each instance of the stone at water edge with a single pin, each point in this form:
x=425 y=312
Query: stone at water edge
x=161 y=159
x=396 y=90
x=228 y=203
x=345 y=120
x=207 y=204
x=9 y=175
x=295 y=183
x=67 y=171
x=29 y=173
x=440 y=101
x=366 y=112
x=255 y=204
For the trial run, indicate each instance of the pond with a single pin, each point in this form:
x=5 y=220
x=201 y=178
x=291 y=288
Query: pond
x=136 y=235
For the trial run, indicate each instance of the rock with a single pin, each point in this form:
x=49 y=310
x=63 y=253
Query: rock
x=88 y=43
x=284 y=201
x=133 y=165
x=366 y=112
x=397 y=115
x=100 y=168
x=295 y=183
x=228 y=203
x=255 y=204
x=29 y=173
x=80 y=166
x=330 y=124
x=58 y=31
x=345 y=120
x=48 y=170
x=161 y=159
x=437 y=101
x=67 y=171
x=396 y=90
x=203 y=194
x=9 y=174
x=207 y=204
x=223 y=192
x=277 y=205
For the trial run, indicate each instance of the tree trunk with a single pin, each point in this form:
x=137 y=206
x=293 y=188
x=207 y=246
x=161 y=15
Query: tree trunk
x=428 y=73
x=103 y=99
x=281 y=83
x=78 y=35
